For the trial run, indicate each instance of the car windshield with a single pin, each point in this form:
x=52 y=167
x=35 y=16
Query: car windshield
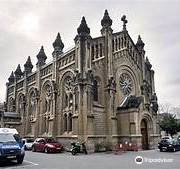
x=51 y=141
x=30 y=141
x=6 y=137
x=169 y=141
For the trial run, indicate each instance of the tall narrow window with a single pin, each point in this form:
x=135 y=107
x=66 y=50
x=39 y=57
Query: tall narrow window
x=125 y=41
x=92 y=52
x=70 y=100
x=113 y=45
x=122 y=42
x=119 y=42
x=116 y=44
x=70 y=122
x=66 y=100
x=100 y=50
x=95 y=90
x=65 y=122
x=97 y=51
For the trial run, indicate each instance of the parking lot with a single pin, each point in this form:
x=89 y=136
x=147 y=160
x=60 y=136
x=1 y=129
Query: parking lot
x=152 y=159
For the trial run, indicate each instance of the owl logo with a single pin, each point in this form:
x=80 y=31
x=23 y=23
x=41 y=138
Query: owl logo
x=138 y=160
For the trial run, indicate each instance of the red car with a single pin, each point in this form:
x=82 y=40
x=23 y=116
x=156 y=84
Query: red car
x=47 y=145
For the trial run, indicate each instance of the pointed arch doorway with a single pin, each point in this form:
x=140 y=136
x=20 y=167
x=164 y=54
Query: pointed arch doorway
x=144 y=133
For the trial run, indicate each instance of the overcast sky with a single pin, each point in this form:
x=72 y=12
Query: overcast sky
x=25 y=25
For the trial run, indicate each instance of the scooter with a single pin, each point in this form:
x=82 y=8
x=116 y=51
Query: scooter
x=78 y=148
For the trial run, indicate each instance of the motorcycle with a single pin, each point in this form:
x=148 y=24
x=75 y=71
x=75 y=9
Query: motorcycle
x=78 y=148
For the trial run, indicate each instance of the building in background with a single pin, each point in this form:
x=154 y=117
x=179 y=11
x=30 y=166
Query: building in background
x=9 y=119
x=101 y=91
x=1 y=114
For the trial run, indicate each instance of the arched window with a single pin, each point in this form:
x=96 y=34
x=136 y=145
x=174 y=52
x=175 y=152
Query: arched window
x=68 y=103
x=68 y=90
x=95 y=90
x=32 y=104
x=21 y=105
x=11 y=106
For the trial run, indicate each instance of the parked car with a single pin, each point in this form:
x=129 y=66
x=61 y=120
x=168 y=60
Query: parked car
x=28 y=142
x=47 y=145
x=169 y=145
x=11 y=145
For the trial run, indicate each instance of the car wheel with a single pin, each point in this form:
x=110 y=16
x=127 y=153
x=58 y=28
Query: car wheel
x=46 y=150
x=25 y=148
x=160 y=149
x=73 y=152
x=33 y=149
x=20 y=160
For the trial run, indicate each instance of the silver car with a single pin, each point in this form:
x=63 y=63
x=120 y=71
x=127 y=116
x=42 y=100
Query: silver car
x=28 y=143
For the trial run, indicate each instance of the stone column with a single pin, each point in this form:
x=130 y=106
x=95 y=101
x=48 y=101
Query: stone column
x=83 y=80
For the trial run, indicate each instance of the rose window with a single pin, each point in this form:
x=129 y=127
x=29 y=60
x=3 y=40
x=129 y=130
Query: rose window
x=126 y=84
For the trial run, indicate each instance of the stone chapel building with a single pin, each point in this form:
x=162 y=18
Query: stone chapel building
x=101 y=91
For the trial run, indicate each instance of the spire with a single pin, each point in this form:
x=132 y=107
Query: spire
x=11 y=78
x=58 y=44
x=18 y=73
x=125 y=21
x=83 y=28
x=28 y=65
x=106 y=21
x=140 y=43
x=148 y=64
x=41 y=56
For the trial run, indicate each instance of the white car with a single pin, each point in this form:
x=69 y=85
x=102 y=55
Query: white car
x=28 y=143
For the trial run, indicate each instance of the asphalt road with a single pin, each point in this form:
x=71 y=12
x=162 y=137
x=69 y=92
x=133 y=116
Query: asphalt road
x=152 y=159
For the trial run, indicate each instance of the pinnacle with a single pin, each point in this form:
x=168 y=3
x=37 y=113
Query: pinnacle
x=58 y=42
x=83 y=28
x=139 y=41
x=18 y=70
x=106 y=21
x=28 y=63
x=41 y=54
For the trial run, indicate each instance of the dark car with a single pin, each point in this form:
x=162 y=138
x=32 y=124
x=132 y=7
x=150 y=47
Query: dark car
x=11 y=145
x=47 y=145
x=169 y=145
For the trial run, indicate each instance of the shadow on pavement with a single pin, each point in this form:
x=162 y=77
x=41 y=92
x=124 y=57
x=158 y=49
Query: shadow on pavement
x=8 y=163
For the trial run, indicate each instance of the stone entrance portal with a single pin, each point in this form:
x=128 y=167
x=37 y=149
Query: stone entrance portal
x=144 y=132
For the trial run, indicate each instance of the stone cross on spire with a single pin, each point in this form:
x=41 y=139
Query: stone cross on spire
x=125 y=21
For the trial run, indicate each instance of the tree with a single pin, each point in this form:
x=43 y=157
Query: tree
x=169 y=123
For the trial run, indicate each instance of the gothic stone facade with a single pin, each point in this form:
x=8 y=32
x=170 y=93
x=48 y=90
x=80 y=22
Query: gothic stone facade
x=101 y=91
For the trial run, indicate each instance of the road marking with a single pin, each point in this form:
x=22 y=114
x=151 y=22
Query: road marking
x=21 y=165
x=31 y=162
